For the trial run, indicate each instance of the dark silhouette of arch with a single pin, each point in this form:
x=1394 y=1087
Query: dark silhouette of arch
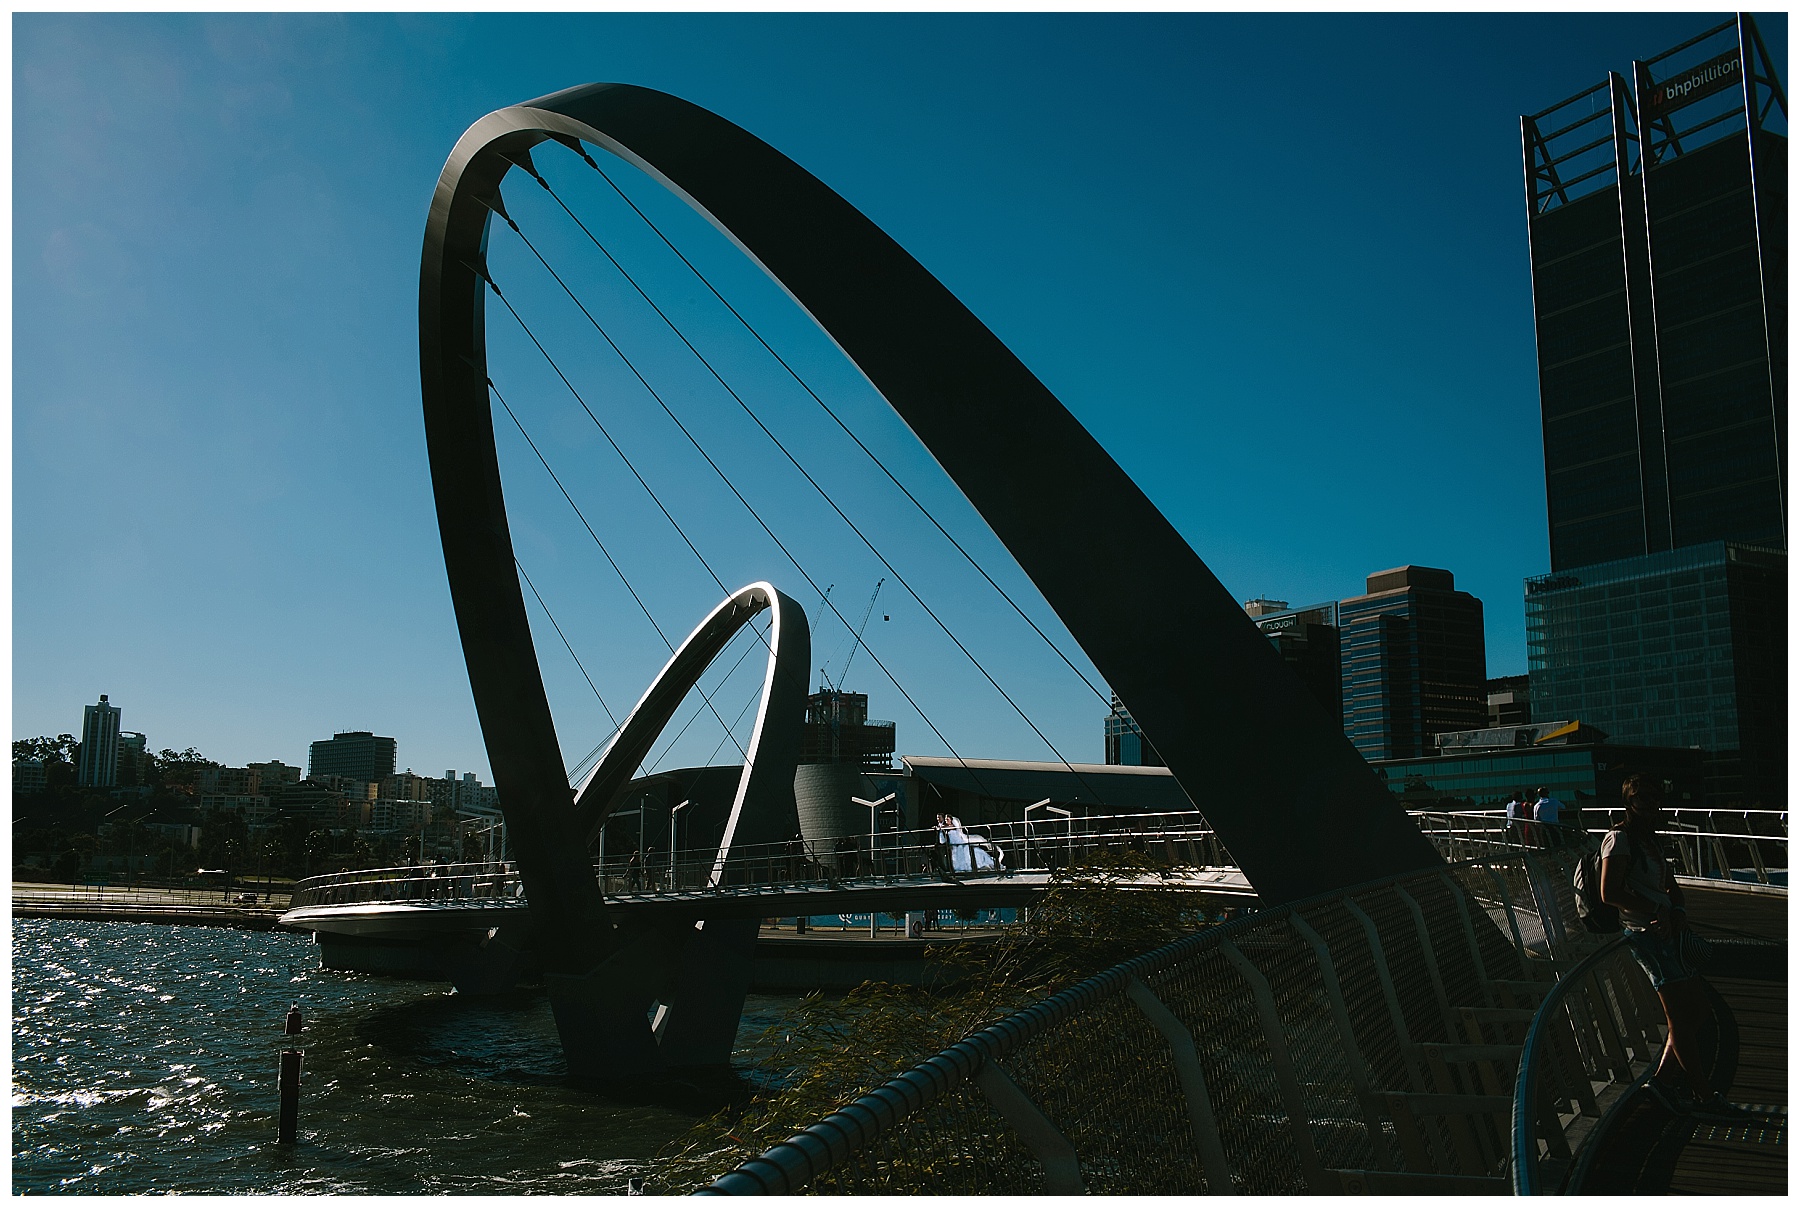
x=1293 y=800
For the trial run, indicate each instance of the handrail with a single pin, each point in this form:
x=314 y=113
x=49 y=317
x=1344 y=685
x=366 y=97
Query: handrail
x=1531 y=1110
x=834 y=1141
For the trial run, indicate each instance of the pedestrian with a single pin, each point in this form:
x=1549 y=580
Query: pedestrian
x=1520 y=812
x=1635 y=879
x=634 y=872
x=1547 y=812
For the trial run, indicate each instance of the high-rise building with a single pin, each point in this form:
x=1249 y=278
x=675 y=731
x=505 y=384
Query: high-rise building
x=134 y=759
x=1658 y=230
x=357 y=754
x=1125 y=743
x=1686 y=648
x=1307 y=640
x=1414 y=662
x=97 y=765
x=1658 y=227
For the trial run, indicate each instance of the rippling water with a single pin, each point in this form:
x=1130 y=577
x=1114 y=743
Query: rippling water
x=144 y=1060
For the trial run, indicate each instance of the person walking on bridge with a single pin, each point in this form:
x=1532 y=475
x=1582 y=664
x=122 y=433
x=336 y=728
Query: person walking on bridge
x=1635 y=879
x=1547 y=812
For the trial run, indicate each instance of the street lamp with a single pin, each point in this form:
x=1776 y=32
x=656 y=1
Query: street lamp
x=874 y=808
x=673 y=815
x=1047 y=808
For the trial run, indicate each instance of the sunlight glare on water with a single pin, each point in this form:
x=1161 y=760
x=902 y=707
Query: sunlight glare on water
x=145 y=1056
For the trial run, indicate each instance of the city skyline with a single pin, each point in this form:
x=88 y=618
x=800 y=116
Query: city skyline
x=1317 y=364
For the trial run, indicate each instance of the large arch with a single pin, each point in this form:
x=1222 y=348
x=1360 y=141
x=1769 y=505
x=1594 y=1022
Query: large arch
x=763 y=810
x=1292 y=798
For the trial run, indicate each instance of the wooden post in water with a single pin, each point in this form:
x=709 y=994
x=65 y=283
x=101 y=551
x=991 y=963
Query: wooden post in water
x=289 y=1084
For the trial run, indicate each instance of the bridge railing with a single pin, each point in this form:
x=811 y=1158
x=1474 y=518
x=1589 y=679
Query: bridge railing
x=1732 y=845
x=889 y=857
x=1366 y=1041
x=416 y=883
x=1597 y=1035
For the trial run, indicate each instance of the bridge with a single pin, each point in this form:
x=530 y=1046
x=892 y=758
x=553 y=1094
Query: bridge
x=367 y=920
x=1358 y=1031
x=1376 y=1040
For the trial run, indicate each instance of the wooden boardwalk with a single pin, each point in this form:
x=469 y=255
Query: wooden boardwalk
x=1647 y=1151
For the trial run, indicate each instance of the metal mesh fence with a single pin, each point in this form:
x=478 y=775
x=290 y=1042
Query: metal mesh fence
x=1363 y=1041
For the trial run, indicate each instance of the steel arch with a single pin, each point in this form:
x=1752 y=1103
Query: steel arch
x=1294 y=801
x=767 y=781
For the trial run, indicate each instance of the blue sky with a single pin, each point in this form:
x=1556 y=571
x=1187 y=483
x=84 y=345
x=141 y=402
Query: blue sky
x=1276 y=264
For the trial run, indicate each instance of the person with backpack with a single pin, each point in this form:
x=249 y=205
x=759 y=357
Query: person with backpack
x=1635 y=879
x=1519 y=815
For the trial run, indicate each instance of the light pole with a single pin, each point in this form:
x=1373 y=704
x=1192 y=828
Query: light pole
x=1048 y=809
x=673 y=815
x=874 y=808
x=1036 y=805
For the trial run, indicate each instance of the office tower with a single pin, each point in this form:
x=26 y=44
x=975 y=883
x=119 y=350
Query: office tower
x=1125 y=743
x=98 y=763
x=134 y=759
x=1659 y=274
x=1414 y=662
x=1686 y=648
x=1308 y=641
x=357 y=754
x=1658 y=230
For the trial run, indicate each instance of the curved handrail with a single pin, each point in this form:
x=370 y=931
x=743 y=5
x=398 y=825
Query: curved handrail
x=787 y=1167
x=1525 y=1173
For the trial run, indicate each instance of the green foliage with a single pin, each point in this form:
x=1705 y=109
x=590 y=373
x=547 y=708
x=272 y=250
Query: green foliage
x=169 y=768
x=827 y=1052
x=60 y=749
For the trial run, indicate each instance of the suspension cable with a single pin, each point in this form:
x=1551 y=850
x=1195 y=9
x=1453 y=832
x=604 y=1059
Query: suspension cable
x=551 y=617
x=792 y=460
x=826 y=407
x=482 y=272
x=584 y=523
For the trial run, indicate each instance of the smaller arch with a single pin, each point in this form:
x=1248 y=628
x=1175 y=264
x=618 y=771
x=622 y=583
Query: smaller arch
x=763 y=809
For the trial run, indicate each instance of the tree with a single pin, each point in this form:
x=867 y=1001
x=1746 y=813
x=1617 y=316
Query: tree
x=318 y=848
x=171 y=769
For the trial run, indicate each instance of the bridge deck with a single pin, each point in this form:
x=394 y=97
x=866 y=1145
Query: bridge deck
x=1650 y=1152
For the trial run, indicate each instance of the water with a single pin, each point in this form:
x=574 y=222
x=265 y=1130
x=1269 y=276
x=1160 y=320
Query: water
x=144 y=1060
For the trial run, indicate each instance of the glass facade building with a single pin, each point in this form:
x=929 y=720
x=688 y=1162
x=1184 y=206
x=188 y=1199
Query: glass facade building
x=1578 y=775
x=1125 y=743
x=1414 y=658
x=1686 y=648
x=354 y=754
x=1657 y=209
x=1657 y=218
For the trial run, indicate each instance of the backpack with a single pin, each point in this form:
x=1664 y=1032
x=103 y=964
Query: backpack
x=1595 y=914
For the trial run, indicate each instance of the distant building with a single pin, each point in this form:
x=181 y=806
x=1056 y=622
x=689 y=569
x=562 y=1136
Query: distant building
x=1657 y=217
x=1309 y=643
x=97 y=764
x=1125 y=743
x=134 y=759
x=274 y=774
x=1414 y=658
x=1657 y=213
x=28 y=778
x=837 y=729
x=1578 y=764
x=229 y=782
x=1686 y=648
x=1509 y=700
x=358 y=754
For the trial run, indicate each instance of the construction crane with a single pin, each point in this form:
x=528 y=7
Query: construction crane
x=855 y=640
